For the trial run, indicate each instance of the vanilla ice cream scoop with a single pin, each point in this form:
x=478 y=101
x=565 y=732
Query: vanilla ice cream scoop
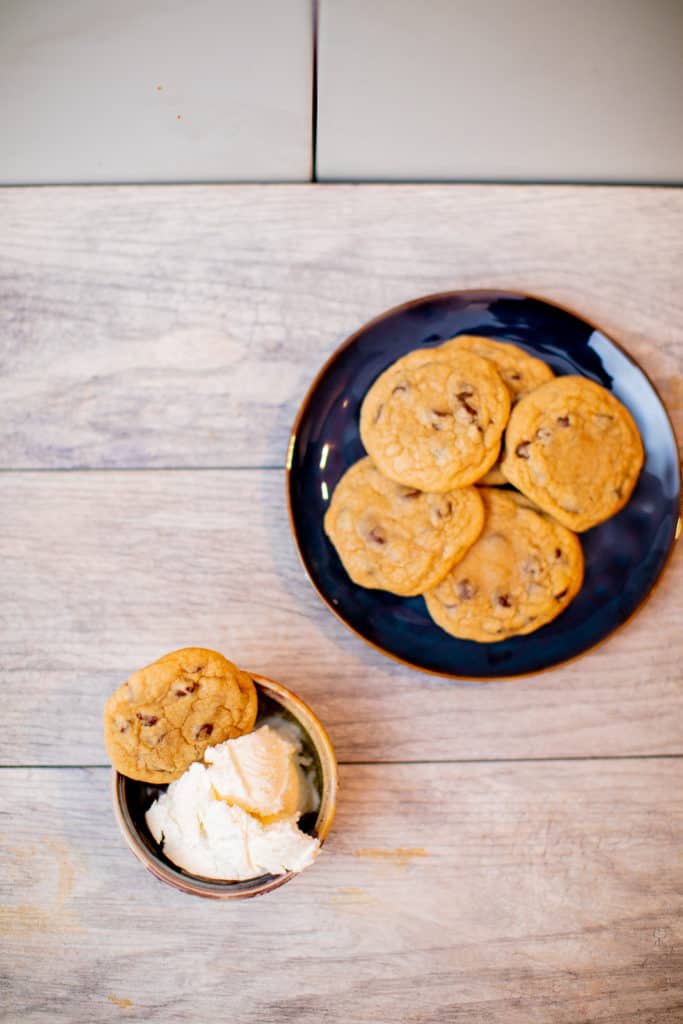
x=236 y=817
x=262 y=773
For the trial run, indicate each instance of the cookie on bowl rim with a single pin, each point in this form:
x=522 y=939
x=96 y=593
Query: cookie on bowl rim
x=165 y=716
x=522 y=572
x=434 y=419
x=396 y=538
x=573 y=448
x=521 y=372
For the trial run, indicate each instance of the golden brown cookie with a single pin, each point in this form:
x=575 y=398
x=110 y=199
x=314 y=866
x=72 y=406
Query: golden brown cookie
x=522 y=572
x=494 y=477
x=397 y=538
x=574 y=449
x=168 y=713
x=433 y=420
x=520 y=371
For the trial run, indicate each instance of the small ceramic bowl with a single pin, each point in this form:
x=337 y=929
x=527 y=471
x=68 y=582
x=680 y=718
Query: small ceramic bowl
x=132 y=799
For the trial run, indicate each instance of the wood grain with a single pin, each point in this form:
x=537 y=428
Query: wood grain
x=495 y=894
x=181 y=326
x=105 y=571
x=476 y=873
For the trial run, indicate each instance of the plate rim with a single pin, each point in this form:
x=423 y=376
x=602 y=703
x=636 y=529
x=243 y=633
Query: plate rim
x=303 y=406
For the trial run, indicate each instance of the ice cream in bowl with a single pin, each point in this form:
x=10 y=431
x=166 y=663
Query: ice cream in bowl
x=224 y=781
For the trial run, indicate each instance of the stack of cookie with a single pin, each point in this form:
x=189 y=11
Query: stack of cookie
x=422 y=514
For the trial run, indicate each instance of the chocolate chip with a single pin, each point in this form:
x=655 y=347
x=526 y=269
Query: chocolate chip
x=125 y=727
x=444 y=511
x=558 y=552
x=147 y=719
x=204 y=731
x=183 y=691
x=462 y=397
x=411 y=494
x=504 y=600
x=441 y=415
x=563 y=421
x=522 y=450
x=543 y=434
x=562 y=593
x=377 y=536
x=465 y=590
x=514 y=376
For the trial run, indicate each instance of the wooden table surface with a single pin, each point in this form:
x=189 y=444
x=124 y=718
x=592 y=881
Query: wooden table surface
x=506 y=852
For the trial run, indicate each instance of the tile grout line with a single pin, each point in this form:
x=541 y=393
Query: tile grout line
x=502 y=182
x=315 y=13
x=220 y=183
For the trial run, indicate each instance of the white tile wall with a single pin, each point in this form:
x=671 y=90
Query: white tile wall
x=501 y=89
x=221 y=90
x=155 y=90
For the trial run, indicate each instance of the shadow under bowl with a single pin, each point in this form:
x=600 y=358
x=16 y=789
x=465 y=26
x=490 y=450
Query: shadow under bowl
x=132 y=799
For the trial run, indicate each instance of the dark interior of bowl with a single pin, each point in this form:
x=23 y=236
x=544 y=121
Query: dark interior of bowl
x=137 y=797
x=624 y=556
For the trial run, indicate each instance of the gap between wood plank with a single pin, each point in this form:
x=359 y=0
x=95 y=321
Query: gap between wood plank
x=364 y=764
x=142 y=469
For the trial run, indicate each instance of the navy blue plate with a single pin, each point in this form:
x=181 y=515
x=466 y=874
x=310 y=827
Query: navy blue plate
x=624 y=556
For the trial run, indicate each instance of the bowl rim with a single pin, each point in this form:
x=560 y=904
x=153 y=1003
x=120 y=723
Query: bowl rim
x=248 y=888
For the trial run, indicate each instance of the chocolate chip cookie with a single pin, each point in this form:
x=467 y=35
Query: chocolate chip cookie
x=520 y=371
x=574 y=449
x=521 y=573
x=433 y=420
x=167 y=714
x=397 y=538
x=494 y=477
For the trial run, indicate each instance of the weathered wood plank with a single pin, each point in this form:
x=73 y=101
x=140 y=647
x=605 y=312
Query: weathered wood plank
x=495 y=894
x=147 y=326
x=180 y=327
x=105 y=571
